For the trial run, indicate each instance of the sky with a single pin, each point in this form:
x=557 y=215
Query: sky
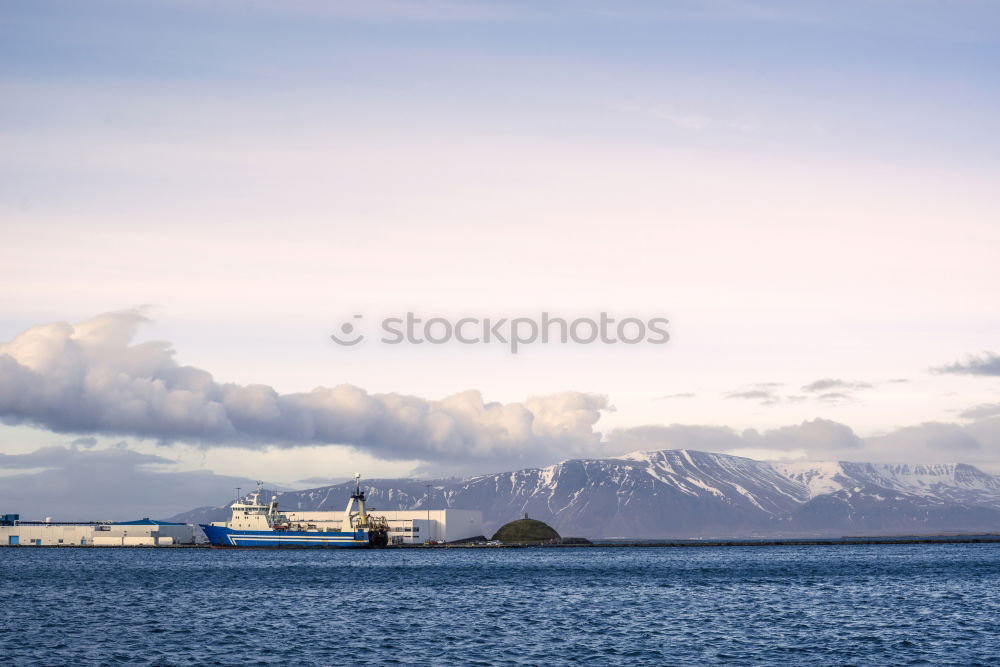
x=195 y=195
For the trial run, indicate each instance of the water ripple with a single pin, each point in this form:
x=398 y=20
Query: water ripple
x=861 y=605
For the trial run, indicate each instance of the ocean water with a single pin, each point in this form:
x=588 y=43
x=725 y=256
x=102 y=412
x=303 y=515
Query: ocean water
x=839 y=605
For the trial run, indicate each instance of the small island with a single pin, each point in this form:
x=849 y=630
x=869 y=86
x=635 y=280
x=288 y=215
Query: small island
x=527 y=531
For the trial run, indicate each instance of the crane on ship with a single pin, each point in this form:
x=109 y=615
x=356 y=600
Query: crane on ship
x=377 y=526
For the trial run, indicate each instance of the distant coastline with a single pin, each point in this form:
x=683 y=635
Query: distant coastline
x=989 y=538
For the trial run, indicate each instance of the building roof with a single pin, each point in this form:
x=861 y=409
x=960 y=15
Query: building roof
x=146 y=521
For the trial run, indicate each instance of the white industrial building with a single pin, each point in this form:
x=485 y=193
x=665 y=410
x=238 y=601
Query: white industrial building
x=144 y=532
x=412 y=526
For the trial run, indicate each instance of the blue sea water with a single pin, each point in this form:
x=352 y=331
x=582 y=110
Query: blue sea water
x=859 y=605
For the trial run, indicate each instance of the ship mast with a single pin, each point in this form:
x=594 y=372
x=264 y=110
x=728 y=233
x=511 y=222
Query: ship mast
x=358 y=496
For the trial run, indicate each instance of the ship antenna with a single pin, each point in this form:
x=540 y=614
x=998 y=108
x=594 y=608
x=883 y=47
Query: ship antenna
x=237 y=494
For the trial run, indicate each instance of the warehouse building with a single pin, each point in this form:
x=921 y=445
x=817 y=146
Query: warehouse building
x=144 y=532
x=411 y=526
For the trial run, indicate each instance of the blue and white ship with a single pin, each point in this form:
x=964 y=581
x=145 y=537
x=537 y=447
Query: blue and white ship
x=255 y=524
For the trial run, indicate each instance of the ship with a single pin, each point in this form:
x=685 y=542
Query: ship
x=255 y=523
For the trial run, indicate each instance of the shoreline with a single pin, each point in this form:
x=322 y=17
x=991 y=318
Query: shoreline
x=660 y=544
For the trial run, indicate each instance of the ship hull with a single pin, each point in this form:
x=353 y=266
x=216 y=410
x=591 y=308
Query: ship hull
x=220 y=536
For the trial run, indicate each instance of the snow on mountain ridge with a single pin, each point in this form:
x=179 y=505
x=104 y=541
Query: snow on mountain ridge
x=818 y=477
x=958 y=482
x=757 y=481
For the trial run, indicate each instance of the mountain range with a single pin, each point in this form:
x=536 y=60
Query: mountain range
x=685 y=493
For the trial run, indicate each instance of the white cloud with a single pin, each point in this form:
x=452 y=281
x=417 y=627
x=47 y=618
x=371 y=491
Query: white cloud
x=91 y=378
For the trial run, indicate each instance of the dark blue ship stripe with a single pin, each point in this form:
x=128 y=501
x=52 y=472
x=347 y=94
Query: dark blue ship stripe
x=227 y=537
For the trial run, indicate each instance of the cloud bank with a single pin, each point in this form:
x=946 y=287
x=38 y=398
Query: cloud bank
x=977 y=442
x=93 y=379
x=820 y=436
x=90 y=378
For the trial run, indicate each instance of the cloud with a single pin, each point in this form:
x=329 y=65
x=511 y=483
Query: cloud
x=835 y=396
x=105 y=484
x=71 y=458
x=981 y=411
x=835 y=390
x=763 y=454
x=686 y=394
x=752 y=394
x=90 y=378
x=977 y=443
x=987 y=432
x=828 y=390
x=944 y=439
x=676 y=436
x=323 y=481
x=765 y=392
x=814 y=435
x=986 y=363
x=828 y=384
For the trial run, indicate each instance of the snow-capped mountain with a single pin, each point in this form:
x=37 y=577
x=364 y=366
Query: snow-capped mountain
x=957 y=482
x=684 y=493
